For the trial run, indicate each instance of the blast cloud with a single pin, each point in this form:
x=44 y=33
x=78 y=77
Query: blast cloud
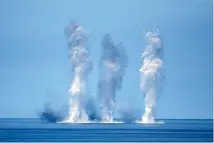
x=151 y=73
x=113 y=61
x=81 y=66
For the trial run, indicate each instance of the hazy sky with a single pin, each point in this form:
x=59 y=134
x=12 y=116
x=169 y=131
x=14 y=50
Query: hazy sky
x=34 y=64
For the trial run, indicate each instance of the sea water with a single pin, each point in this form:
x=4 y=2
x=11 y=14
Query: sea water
x=34 y=130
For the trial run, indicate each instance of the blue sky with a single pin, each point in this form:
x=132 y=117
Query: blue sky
x=34 y=64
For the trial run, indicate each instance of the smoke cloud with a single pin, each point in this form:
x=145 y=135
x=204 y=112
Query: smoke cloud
x=81 y=66
x=151 y=73
x=113 y=61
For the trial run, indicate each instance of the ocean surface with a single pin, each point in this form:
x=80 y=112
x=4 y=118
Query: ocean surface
x=34 y=130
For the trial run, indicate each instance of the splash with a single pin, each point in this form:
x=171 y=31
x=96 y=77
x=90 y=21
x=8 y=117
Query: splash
x=111 y=122
x=154 y=122
x=113 y=62
x=151 y=73
x=81 y=66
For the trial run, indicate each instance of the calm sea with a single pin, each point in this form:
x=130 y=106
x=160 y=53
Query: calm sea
x=34 y=130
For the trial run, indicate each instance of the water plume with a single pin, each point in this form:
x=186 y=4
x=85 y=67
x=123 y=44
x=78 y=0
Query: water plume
x=81 y=66
x=113 y=61
x=151 y=73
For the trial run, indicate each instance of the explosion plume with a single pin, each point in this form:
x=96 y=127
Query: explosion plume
x=81 y=66
x=151 y=73
x=113 y=61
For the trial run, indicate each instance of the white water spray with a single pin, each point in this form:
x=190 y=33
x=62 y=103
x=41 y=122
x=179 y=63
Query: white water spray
x=151 y=73
x=81 y=65
x=113 y=61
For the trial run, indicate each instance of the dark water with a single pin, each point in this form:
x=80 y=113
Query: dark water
x=30 y=130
